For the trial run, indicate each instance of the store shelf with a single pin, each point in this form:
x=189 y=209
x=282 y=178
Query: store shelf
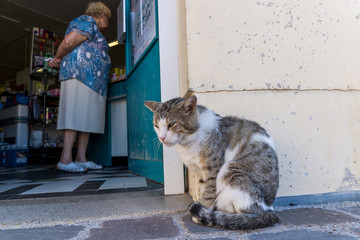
x=48 y=109
x=38 y=73
x=47 y=155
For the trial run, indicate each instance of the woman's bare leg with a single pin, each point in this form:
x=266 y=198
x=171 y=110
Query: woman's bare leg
x=69 y=138
x=83 y=139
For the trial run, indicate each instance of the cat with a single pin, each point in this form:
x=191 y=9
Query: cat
x=234 y=160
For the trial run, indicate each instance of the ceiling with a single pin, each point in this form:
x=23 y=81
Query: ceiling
x=18 y=17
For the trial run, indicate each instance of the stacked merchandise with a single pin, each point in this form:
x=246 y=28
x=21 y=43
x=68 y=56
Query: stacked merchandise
x=118 y=74
x=9 y=97
x=45 y=94
x=14 y=104
x=14 y=134
x=44 y=46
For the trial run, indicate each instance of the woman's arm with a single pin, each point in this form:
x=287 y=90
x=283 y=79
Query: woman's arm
x=71 y=40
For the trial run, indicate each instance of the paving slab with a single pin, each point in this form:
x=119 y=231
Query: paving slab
x=136 y=229
x=356 y=230
x=43 y=233
x=352 y=210
x=217 y=239
x=61 y=210
x=300 y=235
x=310 y=216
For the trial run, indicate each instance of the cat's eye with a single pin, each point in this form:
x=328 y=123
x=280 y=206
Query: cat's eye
x=156 y=126
x=171 y=124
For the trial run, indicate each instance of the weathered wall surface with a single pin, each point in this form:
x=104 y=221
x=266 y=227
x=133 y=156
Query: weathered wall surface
x=292 y=66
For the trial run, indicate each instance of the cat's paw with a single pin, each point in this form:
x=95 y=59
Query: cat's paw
x=196 y=220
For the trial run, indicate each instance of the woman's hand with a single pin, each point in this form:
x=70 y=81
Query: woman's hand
x=54 y=63
x=70 y=41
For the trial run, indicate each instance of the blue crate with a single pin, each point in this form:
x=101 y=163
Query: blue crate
x=22 y=98
x=16 y=157
x=2 y=157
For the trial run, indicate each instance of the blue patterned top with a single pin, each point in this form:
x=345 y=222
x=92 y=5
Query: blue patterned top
x=88 y=62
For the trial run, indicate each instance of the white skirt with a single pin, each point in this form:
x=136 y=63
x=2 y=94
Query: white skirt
x=81 y=108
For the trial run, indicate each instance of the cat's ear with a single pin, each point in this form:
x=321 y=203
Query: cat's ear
x=153 y=106
x=190 y=104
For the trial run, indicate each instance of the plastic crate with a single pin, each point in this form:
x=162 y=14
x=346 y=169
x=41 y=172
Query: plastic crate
x=16 y=157
x=22 y=98
x=2 y=157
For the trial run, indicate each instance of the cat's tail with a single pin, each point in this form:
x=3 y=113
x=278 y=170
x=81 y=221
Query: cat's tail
x=232 y=221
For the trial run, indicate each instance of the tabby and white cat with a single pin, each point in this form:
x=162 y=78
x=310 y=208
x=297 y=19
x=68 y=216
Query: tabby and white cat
x=234 y=159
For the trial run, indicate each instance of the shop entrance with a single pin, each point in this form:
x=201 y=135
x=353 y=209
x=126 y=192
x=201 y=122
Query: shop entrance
x=144 y=151
x=143 y=154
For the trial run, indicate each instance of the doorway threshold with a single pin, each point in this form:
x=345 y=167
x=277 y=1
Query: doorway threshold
x=39 y=181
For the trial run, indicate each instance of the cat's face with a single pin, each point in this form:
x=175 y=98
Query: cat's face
x=175 y=120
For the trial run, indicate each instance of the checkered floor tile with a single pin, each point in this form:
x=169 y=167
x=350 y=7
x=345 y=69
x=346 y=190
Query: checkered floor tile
x=47 y=181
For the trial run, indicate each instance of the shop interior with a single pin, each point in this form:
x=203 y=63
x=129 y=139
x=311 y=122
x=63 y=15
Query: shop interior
x=29 y=90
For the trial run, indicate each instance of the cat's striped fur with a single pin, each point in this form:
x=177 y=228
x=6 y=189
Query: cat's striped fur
x=234 y=160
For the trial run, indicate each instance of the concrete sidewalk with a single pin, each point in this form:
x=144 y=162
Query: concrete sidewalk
x=150 y=215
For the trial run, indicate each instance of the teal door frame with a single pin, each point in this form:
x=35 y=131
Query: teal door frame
x=145 y=153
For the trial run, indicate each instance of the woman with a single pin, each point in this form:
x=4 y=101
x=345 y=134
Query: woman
x=84 y=74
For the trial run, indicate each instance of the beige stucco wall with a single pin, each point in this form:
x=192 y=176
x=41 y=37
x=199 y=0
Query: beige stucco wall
x=292 y=66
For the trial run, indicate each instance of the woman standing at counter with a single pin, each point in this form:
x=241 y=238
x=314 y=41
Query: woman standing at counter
x=84 y=74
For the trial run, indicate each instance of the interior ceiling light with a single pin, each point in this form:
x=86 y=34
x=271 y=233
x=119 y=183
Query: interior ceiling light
x=9 y=19
x=114 y=43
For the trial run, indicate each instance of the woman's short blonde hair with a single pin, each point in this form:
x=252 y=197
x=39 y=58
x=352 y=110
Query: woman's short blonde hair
x=97 y=10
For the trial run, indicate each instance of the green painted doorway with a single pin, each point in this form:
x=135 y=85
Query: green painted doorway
x=145 y=153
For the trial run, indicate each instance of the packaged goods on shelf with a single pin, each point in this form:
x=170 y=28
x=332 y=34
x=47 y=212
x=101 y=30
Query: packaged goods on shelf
x=38 y=61
x=54 y=92
x=117 y=74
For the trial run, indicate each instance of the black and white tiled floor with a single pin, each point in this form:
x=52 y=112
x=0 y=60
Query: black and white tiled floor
x=47 y=181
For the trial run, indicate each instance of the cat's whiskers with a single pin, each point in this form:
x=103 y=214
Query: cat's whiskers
x=148 y=114
x=158 y=145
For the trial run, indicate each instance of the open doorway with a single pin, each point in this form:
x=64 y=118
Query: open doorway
x=33 y=173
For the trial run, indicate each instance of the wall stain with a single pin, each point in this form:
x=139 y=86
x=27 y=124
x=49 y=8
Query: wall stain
x=349 y=181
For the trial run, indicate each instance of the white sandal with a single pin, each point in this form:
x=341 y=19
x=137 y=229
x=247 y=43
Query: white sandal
x=71 y=167
x=89 y=165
